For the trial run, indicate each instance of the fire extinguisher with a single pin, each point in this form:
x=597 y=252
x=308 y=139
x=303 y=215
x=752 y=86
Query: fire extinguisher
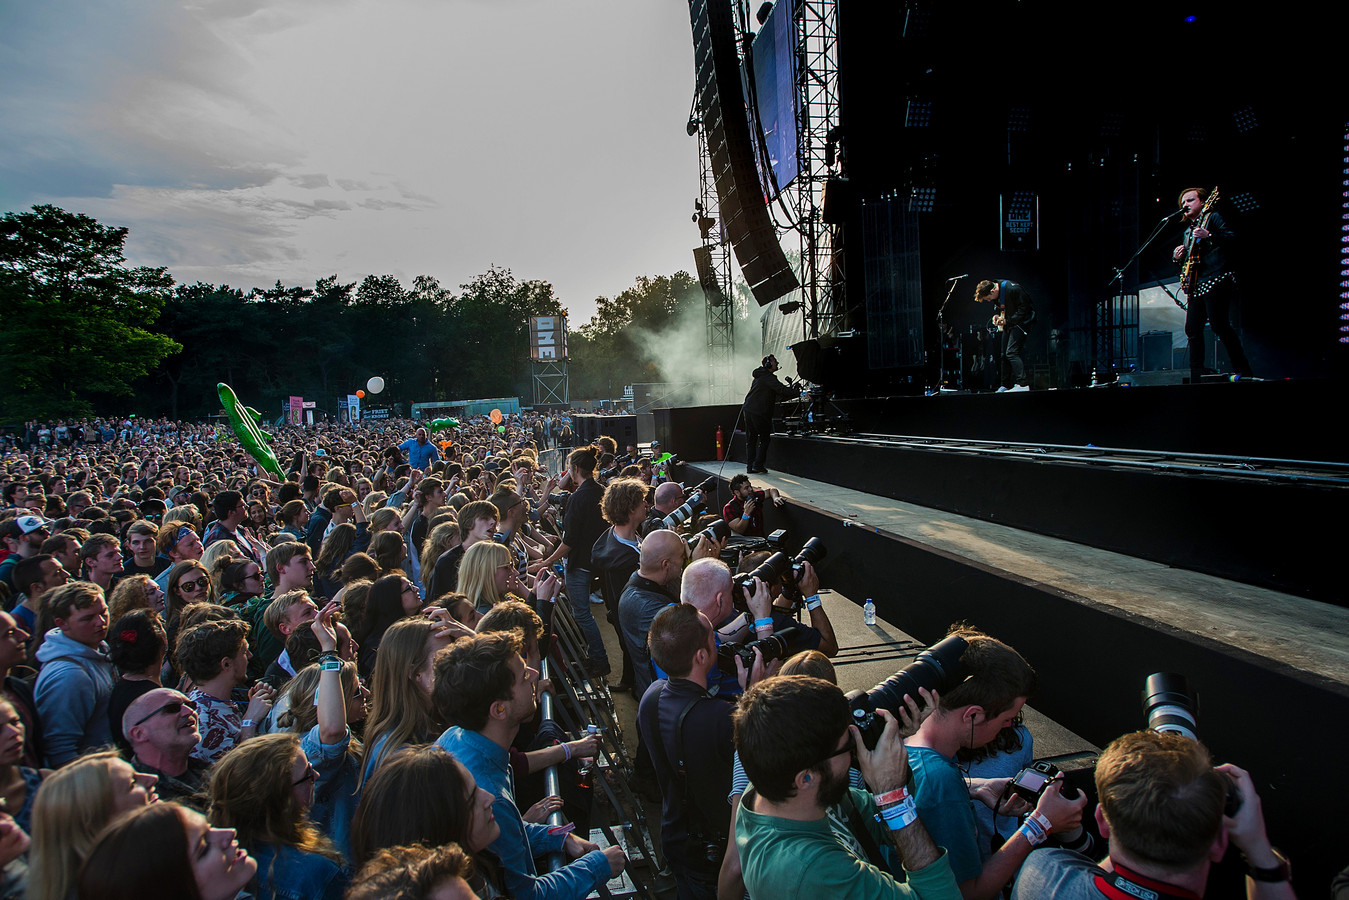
x=721 y=446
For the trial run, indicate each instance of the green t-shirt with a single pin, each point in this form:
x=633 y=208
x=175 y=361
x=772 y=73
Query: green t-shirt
x=784 y=858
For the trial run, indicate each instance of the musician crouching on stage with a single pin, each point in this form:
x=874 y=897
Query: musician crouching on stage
x=1210 y=287
x=1013 y=318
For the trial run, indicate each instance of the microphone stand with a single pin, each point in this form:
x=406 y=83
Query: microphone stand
x=941 y=330
x=1156 y=232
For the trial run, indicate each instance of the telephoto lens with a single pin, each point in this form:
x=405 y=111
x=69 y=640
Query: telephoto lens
x=937 y=668
x=780 y=645
x=1169 y=705
x=717 y=531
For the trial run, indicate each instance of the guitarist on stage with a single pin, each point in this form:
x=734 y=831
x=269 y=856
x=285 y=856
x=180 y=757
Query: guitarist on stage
x=1013 y=318
x=1208 y=281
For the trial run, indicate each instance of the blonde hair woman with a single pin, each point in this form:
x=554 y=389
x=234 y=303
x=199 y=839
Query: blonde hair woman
x=487 y=575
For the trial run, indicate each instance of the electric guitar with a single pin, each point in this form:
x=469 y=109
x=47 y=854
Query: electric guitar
x=1187 y=274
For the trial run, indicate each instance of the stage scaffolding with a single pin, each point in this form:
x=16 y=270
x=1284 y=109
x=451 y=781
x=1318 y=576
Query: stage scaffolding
x=720 y=307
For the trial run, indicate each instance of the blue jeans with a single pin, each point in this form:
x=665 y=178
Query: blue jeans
x=578 y=594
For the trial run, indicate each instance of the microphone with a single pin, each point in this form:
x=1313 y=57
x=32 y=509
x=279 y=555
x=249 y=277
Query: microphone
x=958 y=277
x=1179 y=212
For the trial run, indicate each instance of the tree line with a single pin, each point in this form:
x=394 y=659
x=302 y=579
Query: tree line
x=82 y=333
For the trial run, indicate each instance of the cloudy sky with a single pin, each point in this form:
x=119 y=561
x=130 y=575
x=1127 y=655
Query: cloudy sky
x=244 y=141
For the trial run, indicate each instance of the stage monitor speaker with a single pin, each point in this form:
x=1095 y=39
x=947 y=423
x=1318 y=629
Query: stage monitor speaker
x=892 y=271
x=721 y=99
x=707 y=276
x=1156 y=347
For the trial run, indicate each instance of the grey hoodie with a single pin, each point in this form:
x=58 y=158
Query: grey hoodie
x=72 y=696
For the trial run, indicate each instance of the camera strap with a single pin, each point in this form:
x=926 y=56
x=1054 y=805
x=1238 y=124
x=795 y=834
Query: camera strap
x=698 y=823
x=859 y=829
x=1122 y=884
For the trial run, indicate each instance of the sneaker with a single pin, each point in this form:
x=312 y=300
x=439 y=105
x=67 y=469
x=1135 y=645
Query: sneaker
x=596 y=599
x=1019 y=387
x=1002 y=390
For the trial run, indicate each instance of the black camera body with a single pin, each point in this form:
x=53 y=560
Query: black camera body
x=1170 y=707
x=1030 y=783
x=937 y=668
x=717 y=531
x=780 y=569
x=780 y=646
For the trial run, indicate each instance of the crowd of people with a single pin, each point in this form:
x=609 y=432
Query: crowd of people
x=220 y=683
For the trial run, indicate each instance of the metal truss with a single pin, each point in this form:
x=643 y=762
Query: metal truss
x=551 y=384
x=720 y=307
x=822 y=272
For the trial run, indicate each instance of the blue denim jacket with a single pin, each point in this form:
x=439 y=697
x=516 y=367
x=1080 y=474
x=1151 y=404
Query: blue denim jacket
x=287 y=873
x=521 y=841
x=335 y=792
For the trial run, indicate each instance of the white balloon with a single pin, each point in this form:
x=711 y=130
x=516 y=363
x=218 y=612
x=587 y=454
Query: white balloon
x=375 y=384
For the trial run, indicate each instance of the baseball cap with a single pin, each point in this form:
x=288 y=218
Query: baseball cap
x=29 y=524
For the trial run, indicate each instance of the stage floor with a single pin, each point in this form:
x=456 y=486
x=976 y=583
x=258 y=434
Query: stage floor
x=1292 y=630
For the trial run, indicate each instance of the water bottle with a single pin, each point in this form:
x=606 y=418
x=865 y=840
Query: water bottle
x=585 y=767
x=869 y=612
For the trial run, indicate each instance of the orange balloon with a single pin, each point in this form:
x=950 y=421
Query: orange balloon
x=360 y=395
x=496 y=417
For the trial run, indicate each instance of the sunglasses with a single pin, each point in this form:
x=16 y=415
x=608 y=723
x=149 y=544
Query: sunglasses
x=847 y=748
x=172 y=708
x=191 y=587
x=309 y=775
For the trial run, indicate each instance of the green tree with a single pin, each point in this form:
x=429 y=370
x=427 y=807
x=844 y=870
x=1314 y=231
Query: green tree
x=76 y=318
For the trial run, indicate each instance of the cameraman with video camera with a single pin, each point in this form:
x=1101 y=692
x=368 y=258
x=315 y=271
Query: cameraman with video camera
x=1162 y=808
x=997 y=682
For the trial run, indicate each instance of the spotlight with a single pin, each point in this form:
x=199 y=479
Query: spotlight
x=789 y=307
x=764 y=10
x=692 y=127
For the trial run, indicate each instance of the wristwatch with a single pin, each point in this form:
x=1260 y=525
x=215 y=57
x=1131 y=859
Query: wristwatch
x=1271 y=874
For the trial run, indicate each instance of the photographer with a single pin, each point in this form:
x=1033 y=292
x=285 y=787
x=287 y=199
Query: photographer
x=970 y=715
x=707 y=586
x=666 y=499
x=794 y=736
x=820 y=634
x=744 y=511
x=688 y=732
x=1161 y=809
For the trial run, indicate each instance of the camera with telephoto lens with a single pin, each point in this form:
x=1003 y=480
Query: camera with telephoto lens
x=717 y=531
x=780 y=569
x=937 y=668
x=696 y=503
x=1170 y=707
x=780 y=646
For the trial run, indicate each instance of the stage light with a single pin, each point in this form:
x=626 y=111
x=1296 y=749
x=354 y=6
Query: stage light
x=1018 y=119
x=922 y=199
x=764 y=9
x=1245 y=203
x=789 y=307
x=919 y=114
x=1191 y=19
x=1245 y=119
x=692 y=127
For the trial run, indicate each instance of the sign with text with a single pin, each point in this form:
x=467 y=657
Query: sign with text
x=296 y=410
x=547 y=338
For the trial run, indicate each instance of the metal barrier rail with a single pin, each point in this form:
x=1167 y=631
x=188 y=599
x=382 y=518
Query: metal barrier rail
x=582 y=699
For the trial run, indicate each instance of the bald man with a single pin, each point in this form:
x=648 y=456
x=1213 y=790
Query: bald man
x=161 y=726
x=654 y=586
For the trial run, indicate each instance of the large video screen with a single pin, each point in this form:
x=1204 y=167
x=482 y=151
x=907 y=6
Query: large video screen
x=774 y=56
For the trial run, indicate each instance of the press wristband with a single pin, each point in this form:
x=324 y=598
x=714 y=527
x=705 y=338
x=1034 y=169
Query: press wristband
x=763 y=623
x=330 y=665
x=813 y=602
x=898 y=795
x=566 y=753
x=745 y=517
x=900 y=815
x=1035 y=829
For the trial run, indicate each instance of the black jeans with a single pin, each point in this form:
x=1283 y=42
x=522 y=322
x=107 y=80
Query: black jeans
x=1013 y=371
x=759 y=429
x=1216 y=307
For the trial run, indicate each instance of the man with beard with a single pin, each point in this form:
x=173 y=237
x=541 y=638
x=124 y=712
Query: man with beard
x=794 y=737
x=688 y=732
